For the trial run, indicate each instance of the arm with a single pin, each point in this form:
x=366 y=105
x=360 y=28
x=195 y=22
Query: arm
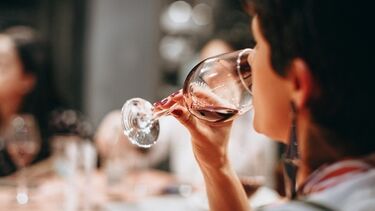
x=210 y=143
x=224 y=189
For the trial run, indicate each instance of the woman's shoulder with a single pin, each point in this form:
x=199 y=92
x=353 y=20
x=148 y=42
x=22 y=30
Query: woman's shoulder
x=355 y=194
x=296 y=206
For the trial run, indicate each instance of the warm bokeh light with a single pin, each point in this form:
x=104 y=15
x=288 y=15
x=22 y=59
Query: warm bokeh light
x=202 y=14
x=179 y=11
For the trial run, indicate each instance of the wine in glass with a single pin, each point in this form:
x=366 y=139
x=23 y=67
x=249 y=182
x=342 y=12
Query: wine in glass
x=216 y=90
x=23 y=143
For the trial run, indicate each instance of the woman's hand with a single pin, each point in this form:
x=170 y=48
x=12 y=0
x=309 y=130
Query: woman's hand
x=209 y=140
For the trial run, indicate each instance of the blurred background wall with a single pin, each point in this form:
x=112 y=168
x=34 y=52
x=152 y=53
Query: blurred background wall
x=107 y=51
x=121 y=55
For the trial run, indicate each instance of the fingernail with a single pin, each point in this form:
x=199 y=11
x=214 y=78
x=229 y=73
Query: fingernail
x=177 y=112
x=175 y=93
x=164 y=101
x=156 y=104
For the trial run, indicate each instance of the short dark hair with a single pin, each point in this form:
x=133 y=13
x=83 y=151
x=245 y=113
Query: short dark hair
x=31 y=48
x=335 y=39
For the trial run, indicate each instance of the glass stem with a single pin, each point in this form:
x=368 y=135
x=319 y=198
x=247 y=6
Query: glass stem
x=22 y=191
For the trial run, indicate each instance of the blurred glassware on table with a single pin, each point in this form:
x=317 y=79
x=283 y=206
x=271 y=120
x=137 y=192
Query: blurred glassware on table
x=70 y=129
x=110 y=148
x=22 y=144
x=74 y=156
x=115 y=164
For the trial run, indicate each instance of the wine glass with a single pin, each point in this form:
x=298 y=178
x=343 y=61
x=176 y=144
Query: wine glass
x=216 y=90
x=23 y=143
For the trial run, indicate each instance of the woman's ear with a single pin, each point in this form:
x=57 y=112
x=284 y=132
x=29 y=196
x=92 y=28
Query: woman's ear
x=302 y=83
x=28 y=83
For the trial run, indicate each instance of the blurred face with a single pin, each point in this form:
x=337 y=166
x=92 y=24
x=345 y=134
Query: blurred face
x=271 y=96
x=12 y=77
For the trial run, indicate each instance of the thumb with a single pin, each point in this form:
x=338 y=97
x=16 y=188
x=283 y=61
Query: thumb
x=183 y=116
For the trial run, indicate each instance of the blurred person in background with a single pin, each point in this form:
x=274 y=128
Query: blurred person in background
x=25 y=85
x=174 y=142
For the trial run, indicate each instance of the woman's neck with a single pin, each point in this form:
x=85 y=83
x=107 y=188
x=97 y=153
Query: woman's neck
x=314 y=151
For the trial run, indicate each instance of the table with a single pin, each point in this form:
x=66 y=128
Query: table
x=51 y=192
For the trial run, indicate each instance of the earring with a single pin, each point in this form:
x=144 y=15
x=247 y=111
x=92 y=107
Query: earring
x=291 y=157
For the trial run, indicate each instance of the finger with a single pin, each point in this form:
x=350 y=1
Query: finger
x=163 y=104
x=177 y=96
x=184 y=117
x=169 y=101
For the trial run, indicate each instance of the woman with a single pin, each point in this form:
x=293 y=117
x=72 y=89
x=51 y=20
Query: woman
x=306 y=83
x=25 y=84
